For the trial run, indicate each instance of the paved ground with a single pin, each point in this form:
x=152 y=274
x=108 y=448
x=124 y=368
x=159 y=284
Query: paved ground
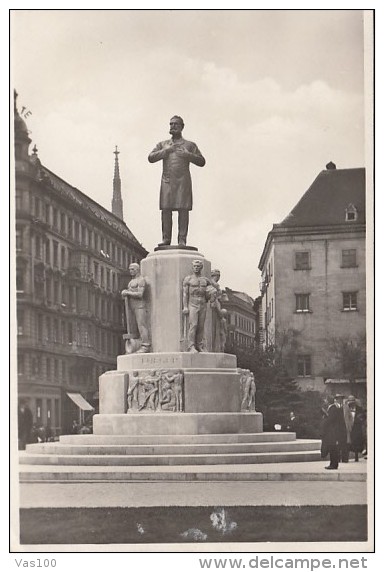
x=33 y=495
x=208 y=493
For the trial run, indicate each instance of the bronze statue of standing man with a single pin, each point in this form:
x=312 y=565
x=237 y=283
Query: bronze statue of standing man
x=176 y=184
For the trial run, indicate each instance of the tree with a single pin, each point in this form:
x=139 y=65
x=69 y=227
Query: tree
x=349 y=358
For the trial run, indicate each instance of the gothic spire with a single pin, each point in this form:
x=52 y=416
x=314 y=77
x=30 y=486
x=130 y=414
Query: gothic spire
x=117 y=201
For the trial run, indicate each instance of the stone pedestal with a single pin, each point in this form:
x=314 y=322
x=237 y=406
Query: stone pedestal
x=165 y=271
x=211 y=393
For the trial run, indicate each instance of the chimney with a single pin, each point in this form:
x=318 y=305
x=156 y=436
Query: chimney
x=330 y=166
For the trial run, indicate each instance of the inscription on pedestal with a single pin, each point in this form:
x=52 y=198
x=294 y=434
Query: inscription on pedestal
x=157 y=360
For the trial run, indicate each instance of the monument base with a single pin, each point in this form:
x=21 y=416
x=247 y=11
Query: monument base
x=170 y=423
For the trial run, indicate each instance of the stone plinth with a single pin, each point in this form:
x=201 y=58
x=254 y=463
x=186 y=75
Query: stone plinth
x=177 y=424
x=211 y=380
x=165 y=271
x=113 y=388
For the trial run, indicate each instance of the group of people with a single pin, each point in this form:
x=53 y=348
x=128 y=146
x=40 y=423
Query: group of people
x=343 y=431
x=28 y=431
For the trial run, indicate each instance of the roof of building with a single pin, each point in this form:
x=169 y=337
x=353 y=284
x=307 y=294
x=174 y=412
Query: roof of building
x=83 y=201
x=239 y=297
x=325 y=204
x=327 y=199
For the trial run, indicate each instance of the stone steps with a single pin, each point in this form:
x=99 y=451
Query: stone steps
x=177 y=439
x=170 y=459
x=304 y=472
x=173 y=449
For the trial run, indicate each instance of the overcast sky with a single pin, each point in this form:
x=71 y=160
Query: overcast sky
x=268 y=96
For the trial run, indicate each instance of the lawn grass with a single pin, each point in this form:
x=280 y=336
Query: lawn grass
x=193 y=524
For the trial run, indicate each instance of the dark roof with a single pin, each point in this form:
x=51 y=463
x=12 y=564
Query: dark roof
x=326 y=200
x=239 y=298
x=83 y=201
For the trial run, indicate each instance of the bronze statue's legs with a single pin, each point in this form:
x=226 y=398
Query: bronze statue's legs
x=183 y=226
x=166 y=226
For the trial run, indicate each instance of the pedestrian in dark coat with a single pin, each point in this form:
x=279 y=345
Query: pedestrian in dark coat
x=357 y=433
x=334 y=431
x=25 y=423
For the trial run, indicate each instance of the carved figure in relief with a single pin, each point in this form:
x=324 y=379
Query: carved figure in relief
x=179 y=389
x=173 y=381
x=219 y=314
x=176 y=185
x=195 y=298
x=133 y=391
x=168 y=398
x=150 y=388
x=137 y=310
x=248 y=391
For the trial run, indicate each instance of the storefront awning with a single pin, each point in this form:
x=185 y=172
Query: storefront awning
x=79 y=400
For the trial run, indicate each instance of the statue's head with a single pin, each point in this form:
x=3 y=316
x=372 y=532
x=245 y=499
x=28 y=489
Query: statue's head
x=215 y=275
x=197 y=266
x=176 y=125
x=134 y=269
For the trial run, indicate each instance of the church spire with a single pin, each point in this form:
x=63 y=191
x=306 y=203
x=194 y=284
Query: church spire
x=117 y=201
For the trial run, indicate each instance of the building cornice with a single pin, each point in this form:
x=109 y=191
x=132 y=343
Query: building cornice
x=283 y=231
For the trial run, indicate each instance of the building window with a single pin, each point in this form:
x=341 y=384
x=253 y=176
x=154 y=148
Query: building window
x=39 y=411
x=55 y=253
x=55 y=219
x=19 y=240
x=20 y=322
x=55 y=331
x=351 y=213
x=95 y=272
x=19 y=280
x=49 y=368
x=21 y=363
x=348 y=258
x=48 y=252
x=46 y=211
x=48 y=328
x=302 y=302
x=63 y=265
x=37 y=247
x=39 y=327
x=349 y=301
x=19 y=202
x=70 y=227
x=37 y=207
x=304 y=367
x=62 y=223
x=302 y=260
x=77 y=231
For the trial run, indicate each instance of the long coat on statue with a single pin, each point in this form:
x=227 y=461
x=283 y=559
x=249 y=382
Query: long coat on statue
x=176 y=184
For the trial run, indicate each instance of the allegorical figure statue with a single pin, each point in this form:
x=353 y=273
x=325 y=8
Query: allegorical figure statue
x=133 y=391
x=136 y=307
x=248 y=390
x=195 y=298
x=219 y=315
x=176 y=185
